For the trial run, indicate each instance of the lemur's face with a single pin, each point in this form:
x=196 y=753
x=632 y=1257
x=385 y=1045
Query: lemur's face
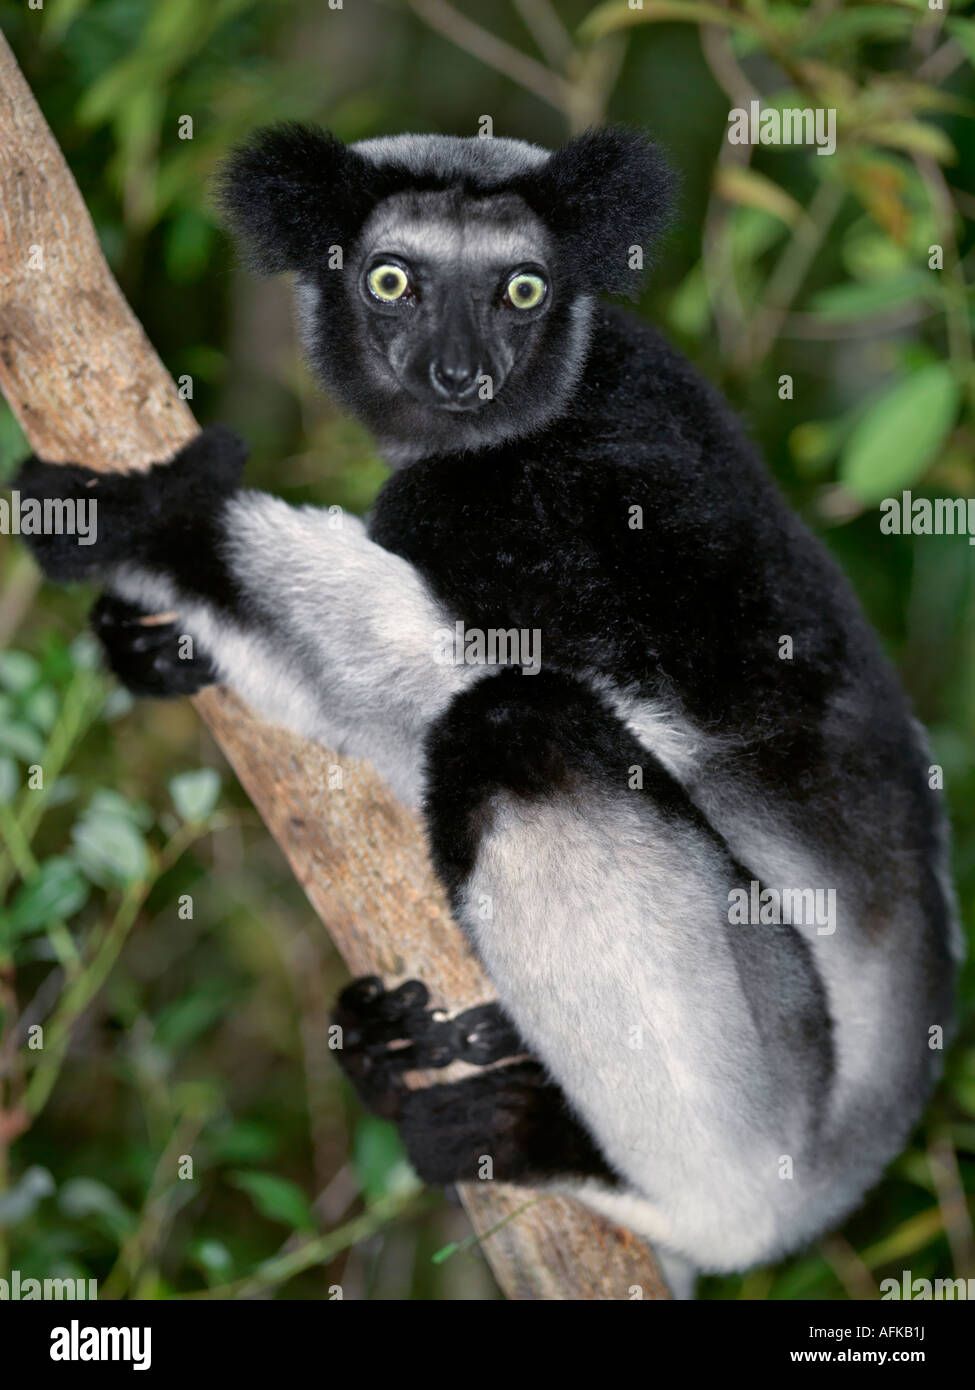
x=445 y=285
x=452 y=294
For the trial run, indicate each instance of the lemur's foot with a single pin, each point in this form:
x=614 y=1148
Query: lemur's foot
x=148 y=652
x=386 y=1033
x=159 y=509
x=511 y=1123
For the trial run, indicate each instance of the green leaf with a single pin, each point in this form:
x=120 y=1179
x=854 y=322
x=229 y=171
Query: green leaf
x=13 y=446
x=245 y=1141
x=856 y=300
x=900 y=434
x=63 y=790
x=85 y=652
x=21 y=1201
x=689 y=309
x=747 y=187
x=18 y=671
x=213 y=1257
x=870 y=254
x=278 y=1199
x=87 y=1198
x=814 y=444
x=41 y=708
x=917 y=137
x=57 y=890
x=60 y=15
x=378 y=1157
x=846 y=26
x=106 y=801
x=110 y=849
x=20 y=740
x=195 y=793
x=187 y=1017
x=115 y=88
x=963 y=32
x=9 y=780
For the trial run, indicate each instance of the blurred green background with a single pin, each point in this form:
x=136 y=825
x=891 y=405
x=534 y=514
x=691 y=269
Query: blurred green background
x=148 y=922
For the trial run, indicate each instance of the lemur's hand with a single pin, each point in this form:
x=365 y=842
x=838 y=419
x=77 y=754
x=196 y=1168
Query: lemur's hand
x=148 y=651
x=135 y=514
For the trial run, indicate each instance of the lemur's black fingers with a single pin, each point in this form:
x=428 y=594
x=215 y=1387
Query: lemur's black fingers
x=372 y=1018
x=386 y=1033
x=374 y=1069
x=486 y=1034
x=377 y=1017
x=148 y=652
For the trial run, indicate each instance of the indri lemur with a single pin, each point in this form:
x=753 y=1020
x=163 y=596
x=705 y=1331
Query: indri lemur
x=730 y=1089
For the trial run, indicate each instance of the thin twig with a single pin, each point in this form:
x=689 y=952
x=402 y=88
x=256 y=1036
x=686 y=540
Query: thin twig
x=496 y=53
x=789 y=273
x=717 y=261
x=321 y=1250
x=952 y=283
x=950 y=1191
x=551 y=36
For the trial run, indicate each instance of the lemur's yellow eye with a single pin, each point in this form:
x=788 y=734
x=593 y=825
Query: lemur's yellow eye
x=388 y=282
x=525 y=291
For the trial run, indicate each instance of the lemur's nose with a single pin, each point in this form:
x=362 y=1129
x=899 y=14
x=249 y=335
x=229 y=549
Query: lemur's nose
x=452 y=378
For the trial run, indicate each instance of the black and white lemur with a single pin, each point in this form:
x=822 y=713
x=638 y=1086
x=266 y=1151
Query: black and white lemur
x=731 y=1088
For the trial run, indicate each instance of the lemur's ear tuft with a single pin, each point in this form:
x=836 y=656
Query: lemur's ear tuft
x=292 y=192
x=603 y=194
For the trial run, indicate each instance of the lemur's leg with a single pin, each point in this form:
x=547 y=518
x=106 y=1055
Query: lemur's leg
x=698 y=1051
x=513 y=1115
x=296 y=608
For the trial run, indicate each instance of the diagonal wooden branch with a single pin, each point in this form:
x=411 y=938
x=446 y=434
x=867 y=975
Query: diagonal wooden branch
x=86 y=385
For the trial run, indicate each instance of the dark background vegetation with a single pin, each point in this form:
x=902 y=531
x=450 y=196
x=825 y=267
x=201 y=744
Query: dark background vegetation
x=168 y=1034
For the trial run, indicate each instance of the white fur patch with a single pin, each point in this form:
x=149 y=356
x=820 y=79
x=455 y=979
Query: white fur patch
x=599 y=923
x=348 y=651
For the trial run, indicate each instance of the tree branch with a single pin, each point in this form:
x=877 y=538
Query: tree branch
x=86 y=385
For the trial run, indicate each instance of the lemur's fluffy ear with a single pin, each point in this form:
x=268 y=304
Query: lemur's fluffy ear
x=291 y=192
x=603 y=193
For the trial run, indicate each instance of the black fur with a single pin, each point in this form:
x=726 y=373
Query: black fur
x=689 y=609
x=294 y=191
x=165 y=519
x=614 y=191
x=147 y=654
x=515 y=1116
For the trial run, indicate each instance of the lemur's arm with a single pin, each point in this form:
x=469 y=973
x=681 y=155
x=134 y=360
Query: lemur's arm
x=297 y=609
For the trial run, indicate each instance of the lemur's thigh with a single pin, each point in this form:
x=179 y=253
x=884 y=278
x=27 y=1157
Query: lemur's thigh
x=696 y=1051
